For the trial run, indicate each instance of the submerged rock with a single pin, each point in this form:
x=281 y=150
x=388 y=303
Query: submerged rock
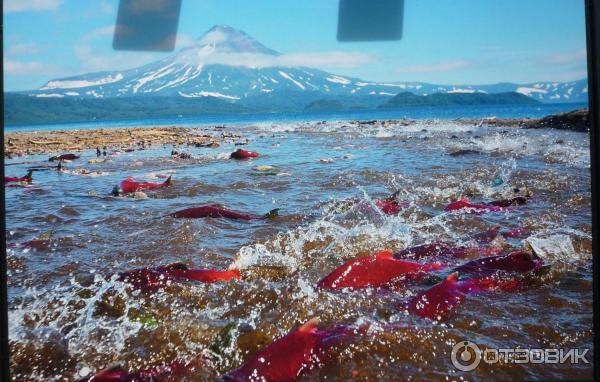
x=461 y=152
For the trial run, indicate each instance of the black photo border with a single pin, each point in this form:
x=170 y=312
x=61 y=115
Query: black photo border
x=592 y=8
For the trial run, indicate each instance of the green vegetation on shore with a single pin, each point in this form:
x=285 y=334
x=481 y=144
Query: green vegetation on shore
x=458 y=99
x=23 y=109
x=26 y=110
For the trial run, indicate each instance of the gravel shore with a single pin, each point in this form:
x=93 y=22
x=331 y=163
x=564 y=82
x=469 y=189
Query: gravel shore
x=45 y=142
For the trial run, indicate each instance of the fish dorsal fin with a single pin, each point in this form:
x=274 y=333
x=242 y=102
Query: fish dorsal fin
x=386 y=254
x=522 y=254
x=177 y=266
x=310 y=326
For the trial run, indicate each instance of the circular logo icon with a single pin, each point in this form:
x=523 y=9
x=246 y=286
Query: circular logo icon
x=466 y=356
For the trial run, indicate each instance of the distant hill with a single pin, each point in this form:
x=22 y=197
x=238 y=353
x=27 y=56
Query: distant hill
x=324 y=105
x=24 y=110
x=457 y=99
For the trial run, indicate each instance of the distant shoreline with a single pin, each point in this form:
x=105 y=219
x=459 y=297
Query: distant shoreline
x=18 y=143
x=247 y=117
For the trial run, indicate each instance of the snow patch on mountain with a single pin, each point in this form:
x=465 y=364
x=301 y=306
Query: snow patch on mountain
x=339 y=80
x=207 y=94
x=529 y=91
x=288 y=77
x=74 y=84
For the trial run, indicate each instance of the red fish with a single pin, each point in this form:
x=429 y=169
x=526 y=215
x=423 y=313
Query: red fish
x=244 y=154
x=390 y=206
x=517 y=262
x=494 y=206
x=129 y=185
x=487 y=236
x=149 y=279
x=516 y=201
x=36 y=244
x=515 y=233
x=291 y=355
x=375 y=271
x=465 y=204
x=217 y=211
x=491 y=234
x=170 y=372
x=441 y=249
x=437 y=302
x=25 y=179
x=64 y=157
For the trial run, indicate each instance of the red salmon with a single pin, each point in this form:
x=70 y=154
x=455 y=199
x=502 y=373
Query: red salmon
x=437 y=302
x=494 y=206
x=375 y=271
x=150 y=279
x=291 y=355
x=244 y=154
x=129 y=185
x=165 y=373
x=25 y=179
x=516 y=262
x=217 y=211
x=64 y=157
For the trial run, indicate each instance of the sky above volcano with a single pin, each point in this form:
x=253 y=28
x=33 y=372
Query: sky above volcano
x=444 y=42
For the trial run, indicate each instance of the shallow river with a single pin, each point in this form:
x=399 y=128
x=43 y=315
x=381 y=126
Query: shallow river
x=69 y=318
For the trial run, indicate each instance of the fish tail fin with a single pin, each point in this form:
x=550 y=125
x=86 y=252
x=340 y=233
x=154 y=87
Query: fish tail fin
x=272 y=214
x=452 y=278
x=235 y=274
x=433 y=267
x=168 y=182
x=394 y=196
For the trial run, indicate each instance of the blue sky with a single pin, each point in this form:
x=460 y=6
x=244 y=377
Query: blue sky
x=444 y=42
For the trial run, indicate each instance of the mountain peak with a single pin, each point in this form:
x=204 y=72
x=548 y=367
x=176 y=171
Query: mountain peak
x=226 y=39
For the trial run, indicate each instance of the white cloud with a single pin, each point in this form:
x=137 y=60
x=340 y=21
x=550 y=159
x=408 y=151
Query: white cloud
x=108 y=30
x=91 y=61
x=254 y=60
x=575 y=57
x=446 y=66
x=184 y=40
x=214 y=37
x=31 y=5
x=106 y=7
x=27 y=68
x=24 y=48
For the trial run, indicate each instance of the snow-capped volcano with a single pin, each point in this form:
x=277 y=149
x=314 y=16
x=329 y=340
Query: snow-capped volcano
x=223 y=38
x=229 y=64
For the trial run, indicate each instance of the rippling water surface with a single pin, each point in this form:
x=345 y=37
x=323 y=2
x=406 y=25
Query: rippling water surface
x=69 y=318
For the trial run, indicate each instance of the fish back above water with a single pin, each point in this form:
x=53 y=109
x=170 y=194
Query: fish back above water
x=375 y=271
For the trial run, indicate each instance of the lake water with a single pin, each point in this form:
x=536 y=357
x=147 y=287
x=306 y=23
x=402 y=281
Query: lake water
x=68 y=317
x=449 y=112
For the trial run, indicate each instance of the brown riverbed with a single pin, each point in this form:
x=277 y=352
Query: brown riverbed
x=44 y=142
